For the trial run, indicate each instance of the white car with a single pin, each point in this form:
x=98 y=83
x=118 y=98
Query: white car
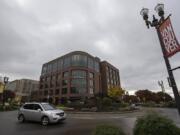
x=40 y=112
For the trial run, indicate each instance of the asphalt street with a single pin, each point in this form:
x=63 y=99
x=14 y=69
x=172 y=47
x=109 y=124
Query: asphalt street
x=76 y=124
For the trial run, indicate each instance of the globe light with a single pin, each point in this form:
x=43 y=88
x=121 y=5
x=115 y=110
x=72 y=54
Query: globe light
x=144 y=12
x=160 y=9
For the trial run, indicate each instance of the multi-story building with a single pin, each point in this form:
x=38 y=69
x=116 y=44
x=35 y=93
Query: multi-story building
x=23 y=89
x=73 y=76
x=109 y=76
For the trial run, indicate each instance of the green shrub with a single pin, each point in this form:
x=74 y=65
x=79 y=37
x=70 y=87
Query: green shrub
x=149 y=104
x=170 y=104
x=107 y=130
x=106 y=102
x=124 y=104
x=154 y=124
x=77 y=105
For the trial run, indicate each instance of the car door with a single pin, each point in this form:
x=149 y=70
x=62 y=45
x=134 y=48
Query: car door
x=27 y=109
x=37 y=112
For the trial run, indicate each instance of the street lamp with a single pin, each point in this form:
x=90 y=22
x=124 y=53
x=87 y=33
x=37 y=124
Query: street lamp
x=5 y=82
x=157 y=23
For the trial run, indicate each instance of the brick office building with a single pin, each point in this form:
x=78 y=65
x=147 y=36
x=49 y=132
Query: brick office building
x=74 y=76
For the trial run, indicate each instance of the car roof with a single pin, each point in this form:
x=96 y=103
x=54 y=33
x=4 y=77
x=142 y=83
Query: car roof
x=36 y=103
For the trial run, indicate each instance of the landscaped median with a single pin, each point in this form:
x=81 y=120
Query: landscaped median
x=98 y=104
x=149 y=124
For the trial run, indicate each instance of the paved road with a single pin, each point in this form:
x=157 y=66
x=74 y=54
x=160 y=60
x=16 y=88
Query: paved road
x=76 y=124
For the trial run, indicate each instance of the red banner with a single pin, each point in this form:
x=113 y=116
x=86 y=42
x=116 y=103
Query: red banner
x=168 y=37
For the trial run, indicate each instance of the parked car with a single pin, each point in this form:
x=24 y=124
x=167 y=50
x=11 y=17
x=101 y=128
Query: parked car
x=40 y=112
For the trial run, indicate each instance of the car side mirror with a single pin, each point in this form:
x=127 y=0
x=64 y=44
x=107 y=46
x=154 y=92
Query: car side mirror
x=39 y=110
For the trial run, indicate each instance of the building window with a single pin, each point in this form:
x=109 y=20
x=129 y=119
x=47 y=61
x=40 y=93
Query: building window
x=54 y=66
x=66 y=62
x=79 y=60
x=91 y=75
x=44 y=70
x=57 y=91
x=91 y=91
x=79 y=82
x=58 y=79
x=96 y=65
x=45 y=93
x=64 y=82
x=50 y=92
x=90 y=63
x=49 y=68
x=60 y=64
x=65 y=74
x=53 y=80
x=64 y=90
x=78 y=74
x=74 y=90
x=91 y=83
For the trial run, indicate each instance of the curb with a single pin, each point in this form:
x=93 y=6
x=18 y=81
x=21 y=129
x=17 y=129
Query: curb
x=124 y=112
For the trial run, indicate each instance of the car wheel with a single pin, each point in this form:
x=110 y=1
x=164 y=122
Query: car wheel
x=45 y=121
x=21 y=118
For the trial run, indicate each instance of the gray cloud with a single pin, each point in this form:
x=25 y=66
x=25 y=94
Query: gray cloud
x=35 y=31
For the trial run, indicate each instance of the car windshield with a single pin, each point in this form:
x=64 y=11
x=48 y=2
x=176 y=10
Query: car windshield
x=48 y=107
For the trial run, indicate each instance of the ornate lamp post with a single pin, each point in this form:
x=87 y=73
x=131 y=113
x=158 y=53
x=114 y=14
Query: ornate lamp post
x=5 y=82
x=157 y=23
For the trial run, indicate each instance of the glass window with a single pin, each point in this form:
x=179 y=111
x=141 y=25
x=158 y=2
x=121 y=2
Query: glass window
x=78 y=74
x=96 y=65
x=79 y=82
x=45 y=93
x=65 y=74
x=64 y=90
x=91 y=91
x=74 y=90
x=90 y=63
x=28 y=106
x=48 y=107
x=58 y=79
x=79 y=60
x=65 y=82
x=82 y=90
x=91 y=83
x=57 y=91
x=91 y=75
x=49 y=68
x=36 y=107
x=44 y=70
x=48 y=79
x=55 y=66
x=60 y=64
x=66 y=62
x=50 y=92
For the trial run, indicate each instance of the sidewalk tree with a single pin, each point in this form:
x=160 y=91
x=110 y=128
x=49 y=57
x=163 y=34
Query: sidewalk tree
x=115 y=93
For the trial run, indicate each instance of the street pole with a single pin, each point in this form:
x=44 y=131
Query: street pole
x=157 y=24
x=170 y=73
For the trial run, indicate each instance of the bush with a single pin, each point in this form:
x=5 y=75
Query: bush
x=108 y=130
x=106 y=102
x=77 y=105
x=154 y=124
x=170 y=104
x=149 y=104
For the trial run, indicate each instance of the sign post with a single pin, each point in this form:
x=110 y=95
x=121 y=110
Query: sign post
x=169 y=46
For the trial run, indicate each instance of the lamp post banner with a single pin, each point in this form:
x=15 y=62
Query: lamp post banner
x=168 y=37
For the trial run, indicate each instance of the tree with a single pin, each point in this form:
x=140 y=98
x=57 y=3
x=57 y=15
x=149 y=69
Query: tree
x=130 y=99
x=8 y=94
x=115 y=92
x=164 y=97
x=144 y=95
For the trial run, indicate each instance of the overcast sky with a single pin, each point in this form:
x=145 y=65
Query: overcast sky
x=33 y=32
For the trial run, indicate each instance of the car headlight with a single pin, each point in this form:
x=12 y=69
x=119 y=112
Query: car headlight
x=54 y=115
